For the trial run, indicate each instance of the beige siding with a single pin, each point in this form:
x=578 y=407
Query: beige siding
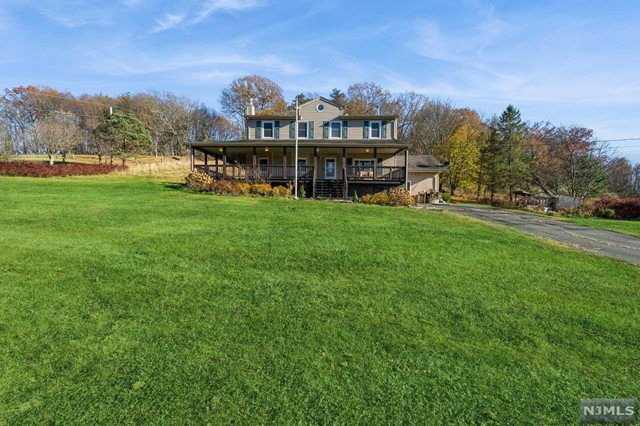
x=284 y=128
x=308 y=112
x=424 y=182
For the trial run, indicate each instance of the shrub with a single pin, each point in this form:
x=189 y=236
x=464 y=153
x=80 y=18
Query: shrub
x=400 y=197
x=281 y=191
x=605 y=213
x=243 y=188
x=624 y=208
x=199 y=181
x=39 y=169
x=302 y=192
x=393 y=197
x=446 y=197
x=225 y=187
x=263 y=189
x=380 y=198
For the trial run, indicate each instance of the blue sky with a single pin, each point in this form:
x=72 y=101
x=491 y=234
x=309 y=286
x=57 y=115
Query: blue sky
x=568 y=62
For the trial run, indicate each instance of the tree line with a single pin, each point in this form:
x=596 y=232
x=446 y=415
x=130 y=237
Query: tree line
x=485 y=155
x=45 y=121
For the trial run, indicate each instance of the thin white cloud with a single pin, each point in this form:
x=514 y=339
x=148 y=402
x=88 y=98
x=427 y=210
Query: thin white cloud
x=5 y=21
x=78 y=18
x=169 y=21
x=213 y=6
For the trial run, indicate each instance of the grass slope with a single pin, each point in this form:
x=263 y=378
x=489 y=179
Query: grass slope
x=125 y=301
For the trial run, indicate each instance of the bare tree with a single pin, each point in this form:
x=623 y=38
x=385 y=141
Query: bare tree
x=619 y=173
x=410 y=104
x=434 y=124
x=636 y=179
x=368 y=99
x=57 y=134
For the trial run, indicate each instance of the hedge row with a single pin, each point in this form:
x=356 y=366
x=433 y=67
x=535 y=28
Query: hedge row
x=623 y=208
x=204 y=182
x=39 y=169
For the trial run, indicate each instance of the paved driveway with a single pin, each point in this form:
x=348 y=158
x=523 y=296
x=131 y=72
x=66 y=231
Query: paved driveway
x=606 y=243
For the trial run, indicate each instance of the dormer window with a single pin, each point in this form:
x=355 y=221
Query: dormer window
x=267 y=129
x=375 y=130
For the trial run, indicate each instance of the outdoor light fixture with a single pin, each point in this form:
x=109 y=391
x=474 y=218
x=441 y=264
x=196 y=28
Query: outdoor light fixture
x=266 y=149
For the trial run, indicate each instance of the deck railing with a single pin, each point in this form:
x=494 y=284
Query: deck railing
x=250 y=172
x=377 y=173
x=272 y=172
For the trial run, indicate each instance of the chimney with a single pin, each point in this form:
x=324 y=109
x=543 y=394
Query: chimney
x=251 y=109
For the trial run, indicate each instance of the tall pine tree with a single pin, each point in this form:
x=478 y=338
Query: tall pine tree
x=512 y=158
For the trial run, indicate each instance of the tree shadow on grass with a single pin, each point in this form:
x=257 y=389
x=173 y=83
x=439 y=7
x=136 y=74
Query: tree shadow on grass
x=175 y=186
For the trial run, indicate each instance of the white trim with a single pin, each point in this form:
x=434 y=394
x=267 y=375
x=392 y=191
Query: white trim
x=331 y=128
x=379 y=130
x=298 y=130
x=320 y=107
x=273 y=129
x=306 y=160
x=335 y=169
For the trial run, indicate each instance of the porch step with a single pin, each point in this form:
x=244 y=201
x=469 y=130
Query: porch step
x=330 y=189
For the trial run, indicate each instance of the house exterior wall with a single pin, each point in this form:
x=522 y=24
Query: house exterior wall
x=424 y=182
x=309 y=113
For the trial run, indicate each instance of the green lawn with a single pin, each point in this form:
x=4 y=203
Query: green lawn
x=129 y=301
x=630 y=227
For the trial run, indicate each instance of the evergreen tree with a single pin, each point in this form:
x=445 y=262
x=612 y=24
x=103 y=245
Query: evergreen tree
x=510 y=131
x=126 y=135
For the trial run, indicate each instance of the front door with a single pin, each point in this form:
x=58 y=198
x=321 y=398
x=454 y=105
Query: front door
x=263 y=164
x=330 y=168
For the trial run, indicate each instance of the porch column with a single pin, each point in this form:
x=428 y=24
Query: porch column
x=315 y=171
x=375 y=163
x=406 y=166
x=254 y=162
x=344 y=162
x=284 y=162
x=224 y=162
x=192 y=157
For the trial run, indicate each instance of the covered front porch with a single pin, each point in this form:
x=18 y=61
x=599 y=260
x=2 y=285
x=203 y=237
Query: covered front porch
x=320 y=165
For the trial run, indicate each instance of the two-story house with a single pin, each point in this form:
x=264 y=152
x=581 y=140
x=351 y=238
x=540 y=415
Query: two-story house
x=338 y=154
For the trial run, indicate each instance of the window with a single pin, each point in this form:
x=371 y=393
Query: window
x=375 y=130
x=303 y=129
x=363 y=163
x=335 y=130
x=267 y=129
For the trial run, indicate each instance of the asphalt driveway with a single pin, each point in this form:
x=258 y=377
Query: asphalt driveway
x=605 y=243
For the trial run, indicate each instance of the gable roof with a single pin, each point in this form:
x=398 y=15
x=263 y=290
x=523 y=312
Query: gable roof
x=325 y=100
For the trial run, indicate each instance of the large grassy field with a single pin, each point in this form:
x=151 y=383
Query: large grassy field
x=129 y=301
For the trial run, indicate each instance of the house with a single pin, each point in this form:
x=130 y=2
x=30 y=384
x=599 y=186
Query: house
x=424 y=174
x=338 y=155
